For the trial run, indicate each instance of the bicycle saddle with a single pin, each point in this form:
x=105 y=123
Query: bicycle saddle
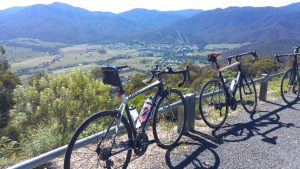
x=212 y=57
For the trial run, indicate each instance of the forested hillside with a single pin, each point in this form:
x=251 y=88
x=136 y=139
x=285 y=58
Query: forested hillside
x=64 y=23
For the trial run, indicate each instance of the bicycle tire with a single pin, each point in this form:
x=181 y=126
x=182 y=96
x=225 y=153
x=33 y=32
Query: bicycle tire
x=294 y=94
x=244 y=100
x=72 y=158
x=213 y=106
x=163 y=122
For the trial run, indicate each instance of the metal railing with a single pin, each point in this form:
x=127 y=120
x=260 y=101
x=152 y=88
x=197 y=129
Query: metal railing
x=190 y=100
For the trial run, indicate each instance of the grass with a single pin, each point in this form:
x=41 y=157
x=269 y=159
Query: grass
x=32 y=62
x=19 y=54
x=35 y=42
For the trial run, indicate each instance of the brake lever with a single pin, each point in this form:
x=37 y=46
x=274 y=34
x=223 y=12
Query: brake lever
x=150 y=79
x=186 y=72
x=153 y=71
x=255 y=58
x=181 y=83
x=280 y=62
x=229 y=61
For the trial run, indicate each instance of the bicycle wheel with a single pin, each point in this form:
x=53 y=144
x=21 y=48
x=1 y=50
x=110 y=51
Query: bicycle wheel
x=248 y=94
x=212 y=104
x=169 y=119
x=289 y=88
x=102 y=141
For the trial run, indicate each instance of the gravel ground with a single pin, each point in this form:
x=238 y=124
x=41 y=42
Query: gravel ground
x=268 y=139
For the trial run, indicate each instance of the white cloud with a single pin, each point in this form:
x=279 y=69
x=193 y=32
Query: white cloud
x=124 y=5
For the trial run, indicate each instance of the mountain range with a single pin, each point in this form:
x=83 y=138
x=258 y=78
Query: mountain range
x=64 y=23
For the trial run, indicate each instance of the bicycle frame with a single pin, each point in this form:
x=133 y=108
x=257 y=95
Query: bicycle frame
x=124 y=105
x=240 y=76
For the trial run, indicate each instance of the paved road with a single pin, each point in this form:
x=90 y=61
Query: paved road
x=269 y=139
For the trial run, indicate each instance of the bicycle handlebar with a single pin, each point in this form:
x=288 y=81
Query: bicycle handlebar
x=238 y=56
x=156 y=72
x=153 y=72
x=282 y=55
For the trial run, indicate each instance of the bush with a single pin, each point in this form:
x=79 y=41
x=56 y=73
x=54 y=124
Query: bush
x=48 y=111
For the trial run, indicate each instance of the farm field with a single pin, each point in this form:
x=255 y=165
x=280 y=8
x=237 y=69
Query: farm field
x=29 y=56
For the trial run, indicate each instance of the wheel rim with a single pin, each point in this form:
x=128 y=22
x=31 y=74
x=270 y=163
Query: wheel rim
x=289 y=87
x=248 y=95
x=106 y=154
x=213 y=105
x=169 y=125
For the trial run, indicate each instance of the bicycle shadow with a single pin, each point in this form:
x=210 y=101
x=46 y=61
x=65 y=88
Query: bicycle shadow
x=204 y=155
x=197 y=154
x=244 y=131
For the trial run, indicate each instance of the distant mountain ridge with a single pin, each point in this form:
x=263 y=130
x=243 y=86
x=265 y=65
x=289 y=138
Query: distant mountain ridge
x=154 y=19
x=64 y=23
x=247 y=24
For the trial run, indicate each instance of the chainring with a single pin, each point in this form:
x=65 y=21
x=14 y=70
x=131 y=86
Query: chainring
x=141 y=144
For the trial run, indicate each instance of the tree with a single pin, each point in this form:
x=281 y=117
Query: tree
x=2 y=52
x=8 y=82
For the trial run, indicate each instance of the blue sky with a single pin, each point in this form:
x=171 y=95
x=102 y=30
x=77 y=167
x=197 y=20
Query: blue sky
x=117 y=6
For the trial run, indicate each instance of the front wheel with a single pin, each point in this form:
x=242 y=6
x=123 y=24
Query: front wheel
x=102 y=141
x=289 y=88
x=169 y=119
x=248 y=94
x=212 y=104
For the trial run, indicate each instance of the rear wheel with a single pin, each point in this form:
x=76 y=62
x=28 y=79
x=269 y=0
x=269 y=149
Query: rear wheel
x=212 y=104
x=103 y=141
x=248 y=94
x=290 y=86
x=169 y=119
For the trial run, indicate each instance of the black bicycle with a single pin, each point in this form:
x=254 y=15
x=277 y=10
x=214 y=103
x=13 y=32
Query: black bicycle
x=290 y=86
x=216 y=95
x=106 y=139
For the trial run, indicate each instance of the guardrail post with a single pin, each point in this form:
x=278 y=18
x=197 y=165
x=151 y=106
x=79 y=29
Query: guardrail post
x=190 y=120
x=263 y=91
x=190 y=101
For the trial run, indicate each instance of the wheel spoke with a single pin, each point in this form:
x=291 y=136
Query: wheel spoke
x=166 y=128
x=89 y=156
x=213 y=106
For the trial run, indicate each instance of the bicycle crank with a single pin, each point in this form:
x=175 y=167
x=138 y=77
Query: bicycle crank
x=141 y=144
x=233 y=103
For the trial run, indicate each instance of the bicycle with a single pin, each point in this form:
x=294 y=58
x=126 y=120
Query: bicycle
x=113 y=136
x=216 y=95
x=289 y=87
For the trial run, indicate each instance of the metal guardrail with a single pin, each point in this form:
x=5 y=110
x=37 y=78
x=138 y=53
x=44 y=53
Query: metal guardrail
x=190 y=100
